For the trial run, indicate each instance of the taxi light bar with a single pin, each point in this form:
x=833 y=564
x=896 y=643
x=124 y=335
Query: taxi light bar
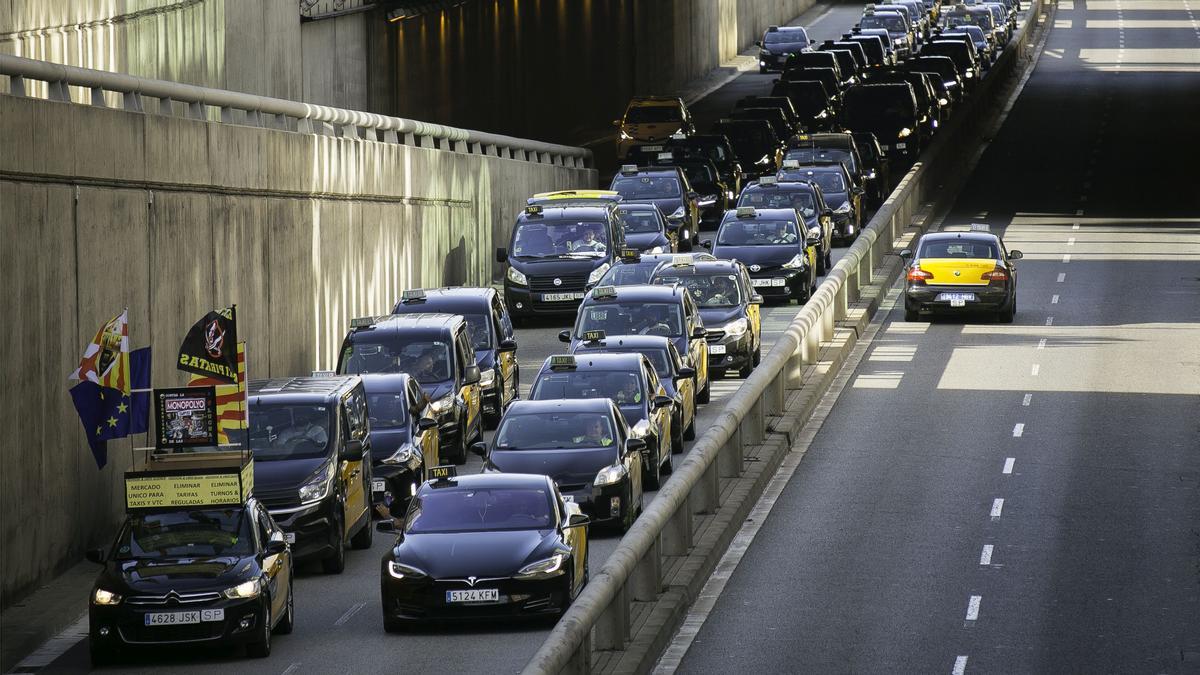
x=533 y=209
x=791 y=164
x=980 y=227
x=746 y=212
x=629 y=168
x=323 y=373
x=681 y=260
x=631 y=254
x=562 y=361
x=412 y=294
x=772 y=29
x=678 y=136
x=593 y=335
x=363 y=321
x=443 y=472
x=768 y=180
x=666 y=156
x=601 y=292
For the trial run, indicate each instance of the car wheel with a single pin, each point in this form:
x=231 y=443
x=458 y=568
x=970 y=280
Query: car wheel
x=668 y=467
x=758 y=353
x=492 y=420
x=829 y=257
x=335 y=563
x=706 y=393
x=1007 y=315
x=262 y=648
x=745 y=370
x=392 y=625
x=288 y=622
x=823 y=261
x=460 y=448
x=911 y=314
x=365 y=536
x=654 y=469
x=100 y=655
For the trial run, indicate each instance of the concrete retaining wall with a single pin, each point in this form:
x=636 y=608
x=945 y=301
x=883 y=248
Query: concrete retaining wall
x=102 y=209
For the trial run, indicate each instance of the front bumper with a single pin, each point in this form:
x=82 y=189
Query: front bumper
x=522 y=302
x=124 y=625
x=415 y=600
x=394 y=483
x=603 y=504
x=793 y=284
x=313 y=527
x=738 y=351
x=843 y=225
x=926 y=298
x=772 y=63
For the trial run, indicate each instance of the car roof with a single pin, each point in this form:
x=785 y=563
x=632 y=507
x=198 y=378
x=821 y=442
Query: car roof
x=638 y=206
x=302 y=388
x=700 y=268
x=449 y=299
x=574 y=212
x=621 y=362
x=476 y=481
x=627 y=342
x=786 y=214
x=385 y=383
x=431 y=322
x=826 y=138
x=636 y=293
x=985 y=237
x=568 y=405
x=803 y=185
x=651 y=170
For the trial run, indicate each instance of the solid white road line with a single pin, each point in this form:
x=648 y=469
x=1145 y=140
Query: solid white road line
x=1062 y=276
x=960 y=666
x=973 y=607
x=1018 y=429
x=985 y=557
x=1027 y=400
x=349 y=614
x=997 y=507
x=1008 y=464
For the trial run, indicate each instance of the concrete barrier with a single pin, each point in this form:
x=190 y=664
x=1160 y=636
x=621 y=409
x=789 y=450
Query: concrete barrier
x=646 y=567
x=171 y=216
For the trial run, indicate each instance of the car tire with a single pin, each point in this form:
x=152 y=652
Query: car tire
x=335 y=563
x=392 y=625
x=460 y=449
x=667 y=469
x=745 y=370
x=262 y=648
x=689 y=434
x=705 y=394
x=758 y=354
x=492 y=420
x=101 y=656
x=653 y=478
x=911 y=315
x=1009 y=313
x=365 y=536
x=288 y=622
x=829 y=257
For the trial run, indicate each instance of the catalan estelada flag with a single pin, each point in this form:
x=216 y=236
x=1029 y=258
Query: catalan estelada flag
x=231 y=398
x=105 y=399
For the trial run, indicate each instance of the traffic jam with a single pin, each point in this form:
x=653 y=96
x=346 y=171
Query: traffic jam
x=657 y=285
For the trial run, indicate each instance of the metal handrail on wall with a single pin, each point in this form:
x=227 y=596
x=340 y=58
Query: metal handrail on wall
x=267 y=112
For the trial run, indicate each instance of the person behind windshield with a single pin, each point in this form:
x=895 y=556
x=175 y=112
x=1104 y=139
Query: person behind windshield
x=646 y=323
x=629 y=392
x=590 y=242
x=594 y=434
x=302 y=431
x=722 y=292
x=783 y=234
x=425 y=368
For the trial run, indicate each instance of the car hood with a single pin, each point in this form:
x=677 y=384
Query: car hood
x=646 y=240
x=436 y=390
x=651 y=131
x=766 y=256
x=285 y=473
x=485 y=358
x=385 y=442
x=784 y=47
x=552 y=267
x=182 y=575
x=457 y=555
x=563 y=466
x=715 y=317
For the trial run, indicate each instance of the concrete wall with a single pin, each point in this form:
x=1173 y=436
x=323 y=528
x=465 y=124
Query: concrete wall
x=335 y=61
x=103 y=209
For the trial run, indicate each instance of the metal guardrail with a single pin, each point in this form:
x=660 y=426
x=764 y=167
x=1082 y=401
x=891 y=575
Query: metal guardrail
x=600 y=618
x=275 y=113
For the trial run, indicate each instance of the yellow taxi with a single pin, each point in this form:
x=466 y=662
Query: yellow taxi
x=961 y=272
x=652 y=118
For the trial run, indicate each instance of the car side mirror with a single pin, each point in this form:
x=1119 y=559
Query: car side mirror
x=812 y=241
x=706 y=243
x=564 y=336
x=95 y=555
x=827 y=213
x=353 y=451
x=756 y=299
x=686 y=372
x=906 y=254
x=386 y=526
x=758 y=43
x=699 y=332
x=479 y=448
x=508 y=345
x=471 y=375
x=501 y=254
x=275 y=547
x=662 y=402
x=857 y=190
x=577 y=520
x=426 y=423
x=635 y=445
x=1015 y=255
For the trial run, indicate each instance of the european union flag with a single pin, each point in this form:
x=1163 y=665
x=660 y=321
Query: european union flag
x=108 y=413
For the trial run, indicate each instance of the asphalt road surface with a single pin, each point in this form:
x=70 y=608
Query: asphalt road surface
x=1025 y=497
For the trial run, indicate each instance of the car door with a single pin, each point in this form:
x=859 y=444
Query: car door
x=661 y=416
x=574 y=537
x=697 y=347
x=753 y=309
x=276 y=567
x=509 y=381
x=470 y=393
x=353 y=424
x=427 y=441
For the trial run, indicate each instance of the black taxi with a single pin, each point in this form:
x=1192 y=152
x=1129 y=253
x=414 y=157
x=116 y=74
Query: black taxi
x=206 y=568
x=435 y=349
x=632 y=383
x=729 y=307
x=492 y=337
x=646 y=310
x=404 y=439
x=806 y=197
x=778 y=251
x=668 y=188
x=559 y=249
x=635 y=268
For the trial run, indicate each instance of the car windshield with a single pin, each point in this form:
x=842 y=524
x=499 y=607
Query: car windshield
x=634 y=318
x=628 y=275
x=203 y=533
x=699 y=175
x=639 y=221
x=893 y=23
x=555 y=431
x=647 y=187
x=750 y=141
x=280 y=431
x=801 y=199
x=658 y=358
x=710 y=150
x=776 y=37
x=426 y=360
x=865 y=109
x=387 y=410
x=708 y=290
x=442 y=510
x=830 y=181
x=821 y=155
x=758 y=233
x=556 y=239
x=649 y=114
x=624 y=388
x=958 y=248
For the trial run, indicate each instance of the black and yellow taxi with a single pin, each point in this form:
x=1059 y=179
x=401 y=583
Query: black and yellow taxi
x=561 y=245
x=635 y=268
x=435 y=349
x=666 y=187
x=649 y=119
x=583 y=445
x=839 y=188
x=705 y=178
x=806 y=197
x=492 y=338
x=632 y=383
x=960 y=272
x=677 y=378
x=729 y=307
x=404 y=437
x=312 y=462
x=775 y=247
x=717 y=149
x=486 y=546
x=647 y=229
x=646 y=310
x=197 y=561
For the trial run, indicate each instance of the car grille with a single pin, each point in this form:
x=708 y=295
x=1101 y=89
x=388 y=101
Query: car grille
x=570 y=284
x=162 y=634
x=180 y=598
x=282 y=498
x=715 y=335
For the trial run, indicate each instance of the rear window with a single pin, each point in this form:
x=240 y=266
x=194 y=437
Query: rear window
x=958 y=248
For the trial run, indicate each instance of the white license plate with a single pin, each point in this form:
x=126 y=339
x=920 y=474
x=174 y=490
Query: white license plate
x=378 y=485
x=183 y=618
x=902 y=146
x=716 y=349
x=769 y=282
x=956 y=299
x=652 y=148
x=885 y=147
x=561 y=297
x=568 y=498
x=289 y=537
x=474 y=595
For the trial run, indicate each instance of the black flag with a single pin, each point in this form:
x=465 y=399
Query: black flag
x=210 y=347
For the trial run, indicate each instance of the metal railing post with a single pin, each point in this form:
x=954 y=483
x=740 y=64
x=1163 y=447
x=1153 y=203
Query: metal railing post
x=707 y=492
x=730 y=458
x=612 y=628
x=677 y=534
x=646 y=580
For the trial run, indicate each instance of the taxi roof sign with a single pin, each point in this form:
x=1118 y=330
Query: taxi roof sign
x=666 y=156
x=678 y=136
x=629 y=168
x=364 y=321
x=772 y=29
x=791 y=164
x=562 y=361
x=980 y=227
x=412 y=294
x=604 y=292
x=533 y=209
x=631 y=255
x=323 y=373
x=681 y=260
x=746 y=212
x=443 y=472
x=768 y=180
x=593 y=335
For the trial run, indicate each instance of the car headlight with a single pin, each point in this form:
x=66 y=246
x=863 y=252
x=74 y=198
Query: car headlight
x=487 y=378
x=517 y=276
x=762 y=63
x=625 y=136
x=943 y=101
x=103 y=597
x=542 y=569
x=318 y=486
x=816 y=231
x=677 y=213
x=403 y=455
x=797 y=262
x=402 y=571
x=610 y=475
x=640 y=429
x=597 y=273
x=656 y=250
x=844 y=208
x=442 y=405
x=736 y=328
x=968 y=74
x=901 y=41
x=905 y=132
x=243 y=591
x=872 y=175
x=729 y=194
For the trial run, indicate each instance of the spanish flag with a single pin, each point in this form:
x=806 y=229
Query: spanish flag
x=231 y=399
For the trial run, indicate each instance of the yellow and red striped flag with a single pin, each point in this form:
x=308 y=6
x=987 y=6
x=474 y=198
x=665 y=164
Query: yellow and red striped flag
x=231 y=399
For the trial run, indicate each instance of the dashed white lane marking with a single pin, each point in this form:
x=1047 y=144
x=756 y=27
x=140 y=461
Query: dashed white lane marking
x=985 y=557
x=1008 y=464
x=1049 y=321
x=1066 y=257
x=1062 y=276
x=1042 y=342
x=349 y=614
x=1035 y=369
x=1075 y=226
x=1070 y=241
x=1018 y=429
x=973 y=607
x=997 y=507
x=1054 y=299
x=291 y=669
x=1079 y=212
x=960 y=666
x=1027 y=400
